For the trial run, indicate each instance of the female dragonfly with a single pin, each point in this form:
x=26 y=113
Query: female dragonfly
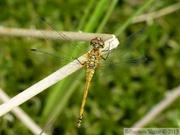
x=97 y=62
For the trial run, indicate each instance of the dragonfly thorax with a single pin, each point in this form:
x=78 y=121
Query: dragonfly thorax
x=92 y=60
x=97 y=43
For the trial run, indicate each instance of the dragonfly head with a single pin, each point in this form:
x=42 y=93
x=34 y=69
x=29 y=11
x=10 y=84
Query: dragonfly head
x=97 y=43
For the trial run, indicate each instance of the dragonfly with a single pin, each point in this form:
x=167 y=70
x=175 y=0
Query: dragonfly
x=98 y=62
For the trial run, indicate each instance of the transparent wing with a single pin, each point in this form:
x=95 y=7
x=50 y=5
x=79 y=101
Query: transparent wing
x=127 y=45
x=113 y=67
x=55 y=61
x=115 y=59
x=44 y=57
x=65 y=45
x=68 y=50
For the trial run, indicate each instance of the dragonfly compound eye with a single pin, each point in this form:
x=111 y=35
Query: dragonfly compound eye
x=101 y=42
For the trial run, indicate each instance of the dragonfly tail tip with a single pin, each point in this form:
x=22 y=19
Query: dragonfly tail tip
x=79 y=122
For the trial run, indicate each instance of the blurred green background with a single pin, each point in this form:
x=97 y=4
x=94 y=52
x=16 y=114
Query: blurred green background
x=114 y=102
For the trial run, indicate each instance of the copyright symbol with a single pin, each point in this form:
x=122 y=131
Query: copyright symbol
x=164 y=131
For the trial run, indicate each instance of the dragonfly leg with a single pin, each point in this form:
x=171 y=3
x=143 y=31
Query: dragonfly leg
x=108 y=50
x=80 y=62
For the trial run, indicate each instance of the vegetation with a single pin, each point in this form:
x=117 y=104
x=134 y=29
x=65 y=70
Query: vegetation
x=114 y=102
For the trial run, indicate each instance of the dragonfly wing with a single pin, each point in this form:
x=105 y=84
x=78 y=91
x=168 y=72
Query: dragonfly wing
x=67 y=47
x=56 y=62
x=111 y=67
x=127 y=45
x=115 y=58
x=69 y=51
